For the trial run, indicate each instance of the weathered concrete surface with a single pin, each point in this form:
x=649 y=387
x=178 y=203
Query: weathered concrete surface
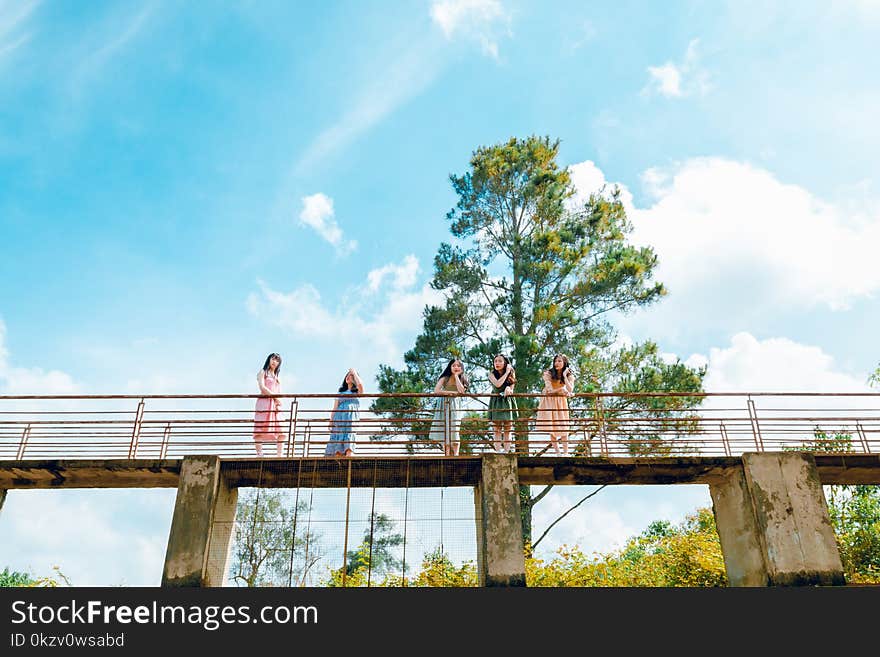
x=412 y=472
x=574 y=470
x=90 y=473
x=791 y=512
x=222 y=530
x=737 y=530
x=500 y=558
x=186 y=557
x=773 y=523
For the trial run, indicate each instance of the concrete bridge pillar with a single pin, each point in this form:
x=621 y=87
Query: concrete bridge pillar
x=773 y=523
x=500 y=558
x=201 y=529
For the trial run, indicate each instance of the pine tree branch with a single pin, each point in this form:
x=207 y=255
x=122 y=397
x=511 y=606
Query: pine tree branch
x=535 y=544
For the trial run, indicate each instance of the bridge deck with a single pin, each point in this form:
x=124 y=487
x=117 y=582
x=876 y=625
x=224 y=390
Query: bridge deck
x=412 y=472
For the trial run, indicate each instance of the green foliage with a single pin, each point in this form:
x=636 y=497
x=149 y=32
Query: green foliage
x=13 y=578
x=437 y=570
x=373 y=562
x=874 y=379
x=839 y=442
x=688 y=554
x=272 y=545
x=855 y=516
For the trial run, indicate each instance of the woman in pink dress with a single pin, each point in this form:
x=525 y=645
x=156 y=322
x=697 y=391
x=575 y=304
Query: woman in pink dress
x=267 y=427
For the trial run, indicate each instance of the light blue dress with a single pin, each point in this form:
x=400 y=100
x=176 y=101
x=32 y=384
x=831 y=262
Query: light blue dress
x=342 y=424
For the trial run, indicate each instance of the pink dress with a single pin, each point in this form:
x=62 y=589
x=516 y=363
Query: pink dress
x=266 y=424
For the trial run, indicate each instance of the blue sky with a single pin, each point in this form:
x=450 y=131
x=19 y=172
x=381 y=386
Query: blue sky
x=185 y=188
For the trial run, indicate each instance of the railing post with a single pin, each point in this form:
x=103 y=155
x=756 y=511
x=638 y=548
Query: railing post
x=863 y=438
x=447 y=421
x=23 y=444
x=136 y=430
x=756 y=428
x=291 y=428
x=166 y=437
x=600 y=408
x=724 y=439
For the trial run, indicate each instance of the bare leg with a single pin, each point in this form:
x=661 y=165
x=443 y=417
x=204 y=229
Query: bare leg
x=497 y=435
x=553 y=441
x=564 y=439
x=506 y=443
x=455 y=447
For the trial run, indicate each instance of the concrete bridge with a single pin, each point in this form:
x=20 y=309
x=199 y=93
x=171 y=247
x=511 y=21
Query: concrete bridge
x=764 y=456
x=770 y=509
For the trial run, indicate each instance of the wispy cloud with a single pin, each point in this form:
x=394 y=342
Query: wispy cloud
x=114 y=39
x=13 y=19
x=318 y=213
x=679 y=79
x=484 y=21
x=398 y=77
x=370 y=323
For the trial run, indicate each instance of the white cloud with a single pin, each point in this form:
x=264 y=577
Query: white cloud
x=587 y=179
x=402 y=275
x=677 y=80
x=735 y=243
x=364 y=329
x=318 y=213
x=31 y=380
x=483 y=21
x=732 y=234
x=774 y=365
x=97 y=538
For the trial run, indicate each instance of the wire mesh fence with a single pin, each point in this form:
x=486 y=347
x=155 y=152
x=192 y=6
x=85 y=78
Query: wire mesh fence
x=333 y=529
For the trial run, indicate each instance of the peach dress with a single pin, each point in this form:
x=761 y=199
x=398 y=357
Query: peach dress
x=553 y=417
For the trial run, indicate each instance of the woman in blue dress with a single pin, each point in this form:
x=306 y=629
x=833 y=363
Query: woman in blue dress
x=346 y=411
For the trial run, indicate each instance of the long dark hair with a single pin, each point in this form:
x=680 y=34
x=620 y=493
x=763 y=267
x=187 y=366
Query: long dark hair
x=565 y=368
x=344 y=385
x=447 y=373
x=511 y=378
x=266 y=364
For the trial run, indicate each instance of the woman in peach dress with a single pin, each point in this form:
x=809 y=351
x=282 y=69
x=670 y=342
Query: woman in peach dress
x=267 y=427
x=553 y=417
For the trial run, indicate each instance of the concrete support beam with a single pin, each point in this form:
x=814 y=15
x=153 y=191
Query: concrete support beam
x=500 y=558
x=773 y=523
x=201 y=528
x=222 y=533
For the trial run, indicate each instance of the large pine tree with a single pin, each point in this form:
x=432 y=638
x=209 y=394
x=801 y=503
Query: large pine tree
x=531 y=275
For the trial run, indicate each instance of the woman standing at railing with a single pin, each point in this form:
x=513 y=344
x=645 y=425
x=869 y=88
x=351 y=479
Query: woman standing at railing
x=502 y=407
x=346 y=411
x=553 y=416
x=445 y=424
x=267 y=427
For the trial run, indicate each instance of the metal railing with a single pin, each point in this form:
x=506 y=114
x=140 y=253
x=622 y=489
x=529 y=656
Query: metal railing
x=603 y=424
